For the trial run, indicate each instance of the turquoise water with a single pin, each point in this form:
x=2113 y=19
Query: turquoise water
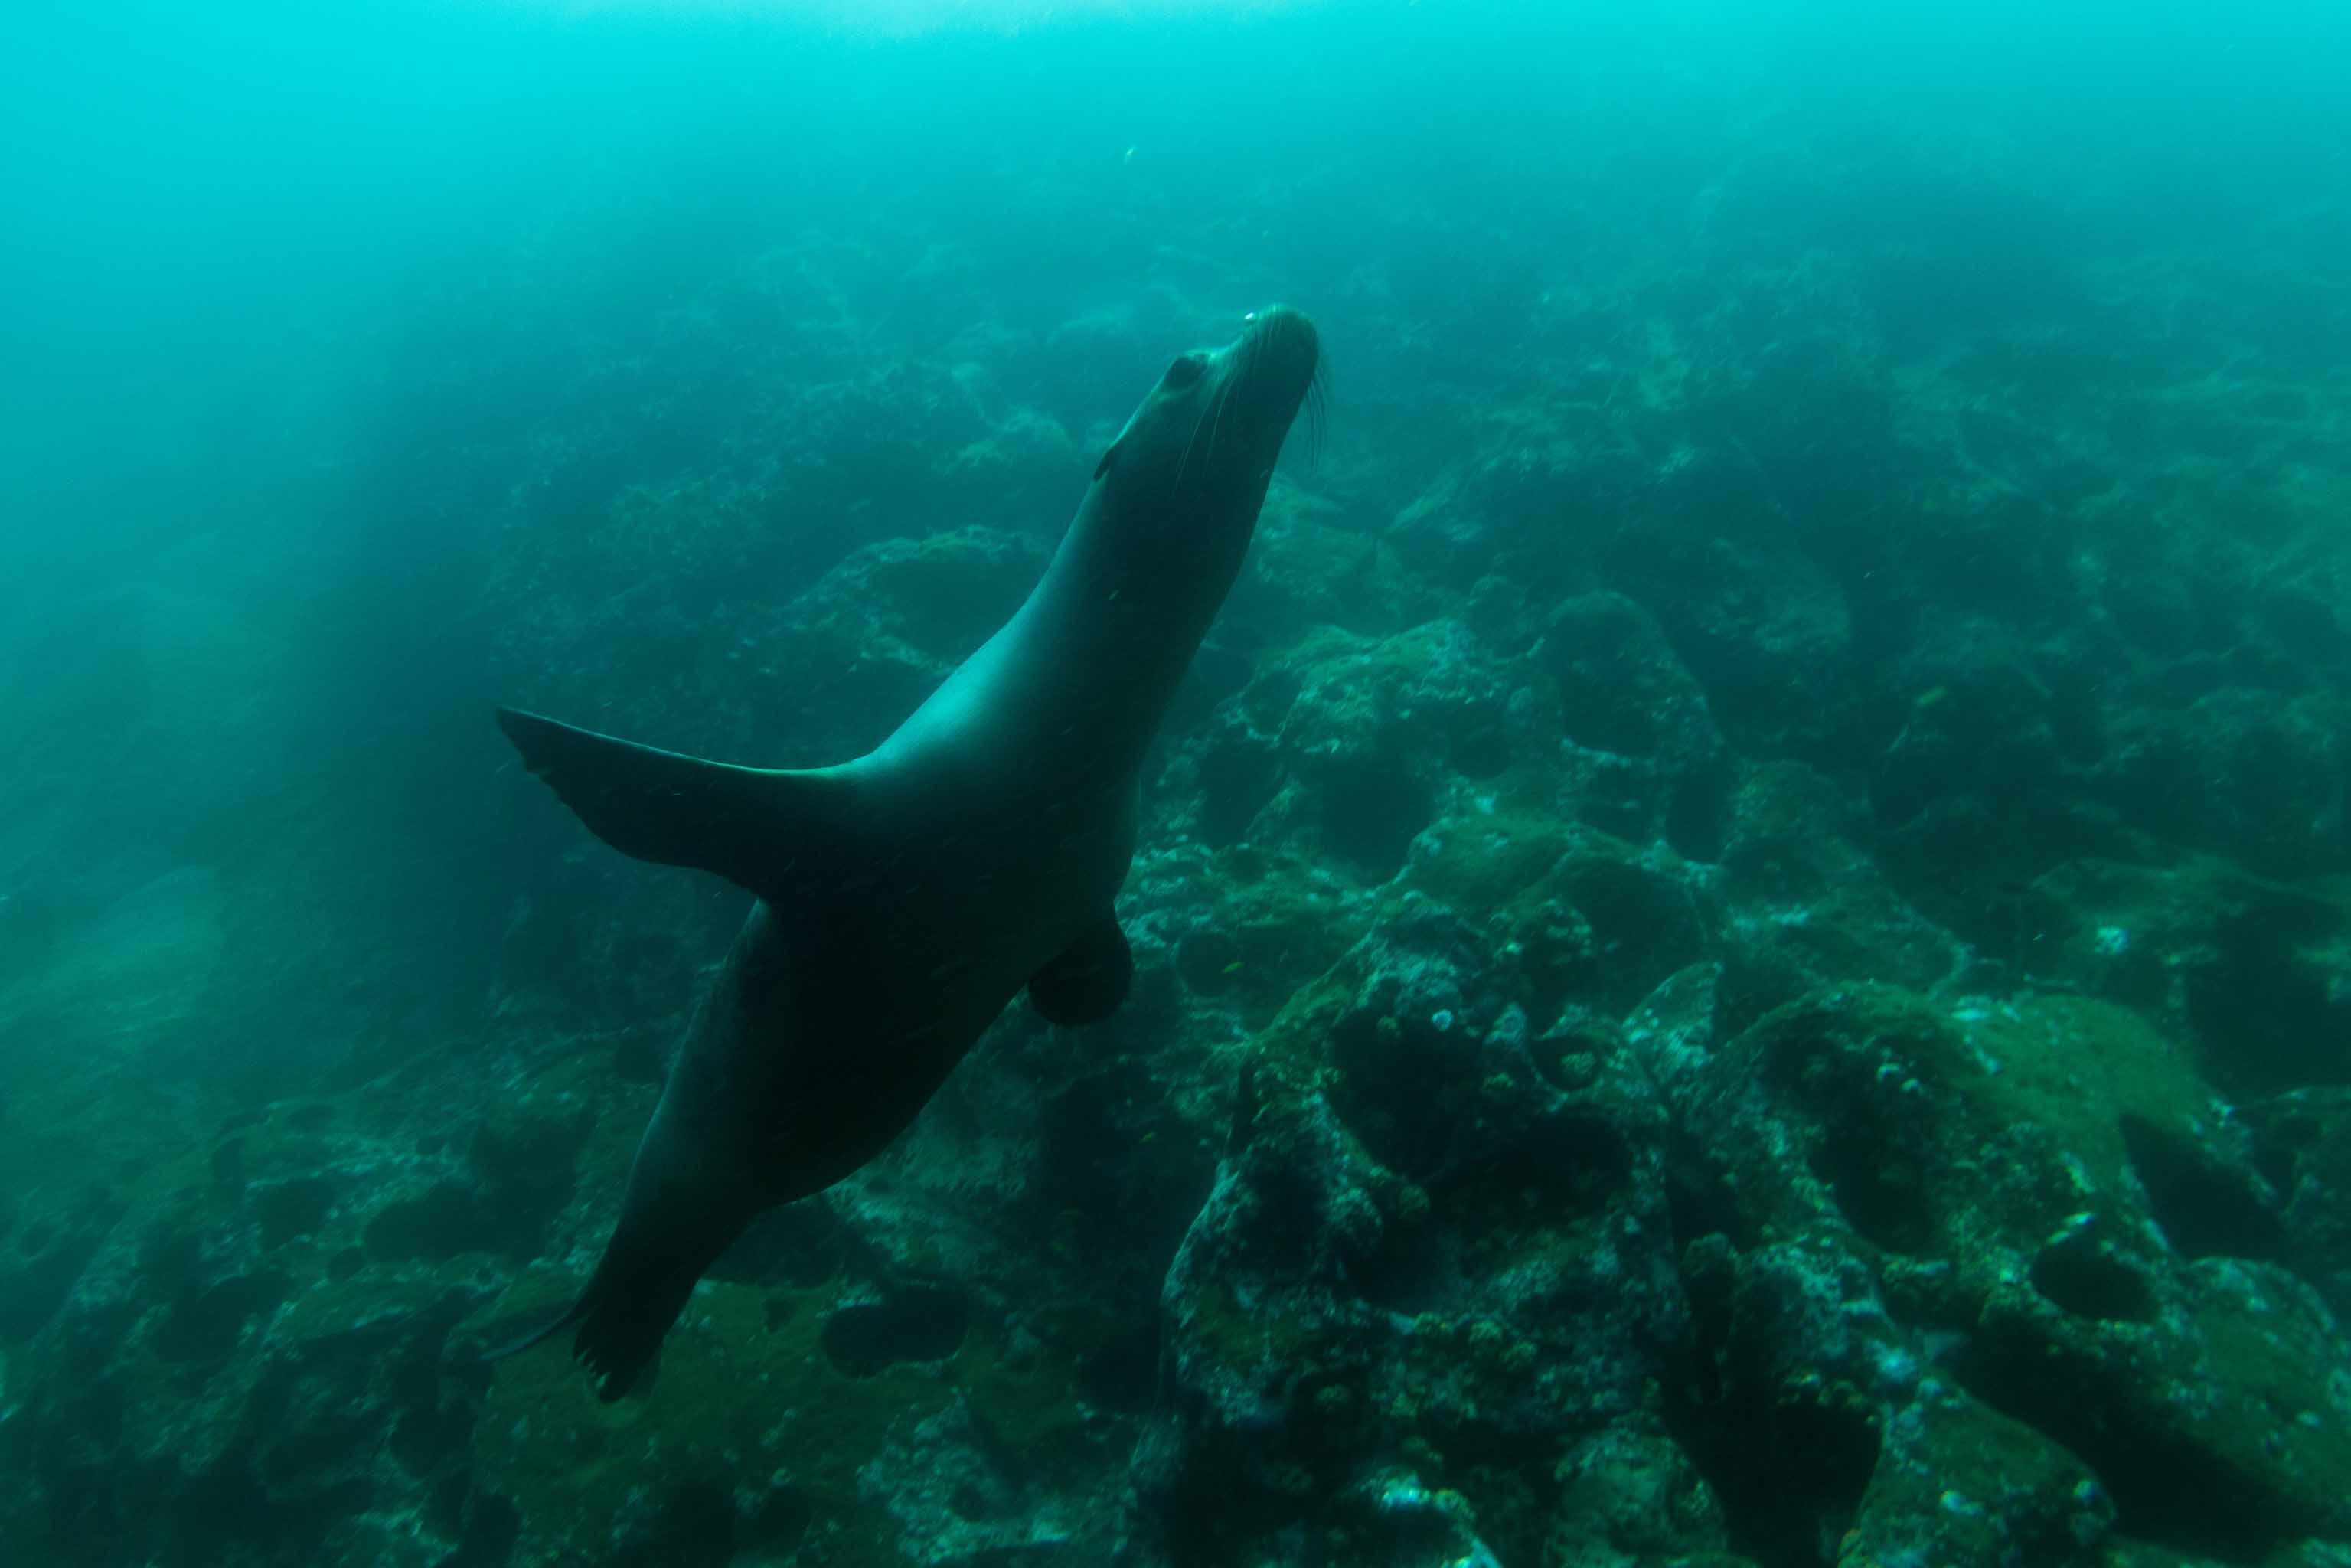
x=1740 y=929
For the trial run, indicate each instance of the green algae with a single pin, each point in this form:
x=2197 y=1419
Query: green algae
x=745 y=1388
x=1971 y=1132
x=1248 y=1336
x=1274 y=923
x=1496 y=860
x=1959 y=1483
x=1585 y=914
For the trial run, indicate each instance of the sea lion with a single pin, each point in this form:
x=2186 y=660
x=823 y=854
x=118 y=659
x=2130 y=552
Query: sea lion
x=904 y=898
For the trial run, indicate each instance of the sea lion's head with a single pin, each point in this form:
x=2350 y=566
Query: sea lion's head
x=1194 y=459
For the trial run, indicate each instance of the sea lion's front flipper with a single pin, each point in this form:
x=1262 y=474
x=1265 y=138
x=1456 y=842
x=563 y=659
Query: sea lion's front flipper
x=1089 y=979
x=747 y=824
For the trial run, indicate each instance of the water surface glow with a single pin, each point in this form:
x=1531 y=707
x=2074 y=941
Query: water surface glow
x=913 y=18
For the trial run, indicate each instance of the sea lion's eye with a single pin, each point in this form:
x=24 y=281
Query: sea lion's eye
x=1184 y=372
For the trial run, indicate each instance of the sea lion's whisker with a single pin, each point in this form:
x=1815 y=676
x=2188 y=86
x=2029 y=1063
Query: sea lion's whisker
x=1216 y=428
x=1184 y=463
x=1216 y=409
x=1317 y=401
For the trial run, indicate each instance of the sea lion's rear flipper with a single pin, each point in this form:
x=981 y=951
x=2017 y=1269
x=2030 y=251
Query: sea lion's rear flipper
x=1088 y=980
x=540 y=1336
x=747 y=824
x=631 y=1301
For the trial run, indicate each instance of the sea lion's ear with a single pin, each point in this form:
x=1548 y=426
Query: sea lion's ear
x=1103 y=467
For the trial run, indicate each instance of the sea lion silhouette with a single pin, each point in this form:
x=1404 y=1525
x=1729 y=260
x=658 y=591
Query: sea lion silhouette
x=906 y=897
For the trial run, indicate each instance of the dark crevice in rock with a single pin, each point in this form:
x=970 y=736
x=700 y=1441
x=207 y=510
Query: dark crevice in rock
x=1877 y=1184
x=1698 y=1196
x=2207 y=1208
x=917 y=1323
x=1564 y=1169
x=1208 y=960
x=1789 y=1472
x=286 y=1209
x=2286 y=1138
x=1236 y=783
x=2166 y=1489
x=1371 y=812
x=1481 y=751
x=1123 y=1372
x=1803 y=1464
x=486 y=1538
x=205 y=1324
x=694 y=1526
x=1109 y=1187
x=775 y=1525
x=2264 y=1020
x=32 y=1291
x=1644 y=920
x=1697 y=813
x=2093 y=1281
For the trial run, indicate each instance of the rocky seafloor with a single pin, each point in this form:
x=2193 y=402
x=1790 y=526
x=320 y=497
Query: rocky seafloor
x=1744 y=956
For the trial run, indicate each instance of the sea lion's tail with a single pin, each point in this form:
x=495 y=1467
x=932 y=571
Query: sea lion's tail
x=751 y=825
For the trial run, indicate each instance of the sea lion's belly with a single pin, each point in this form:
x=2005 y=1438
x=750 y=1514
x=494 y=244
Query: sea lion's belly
x=834 y=1021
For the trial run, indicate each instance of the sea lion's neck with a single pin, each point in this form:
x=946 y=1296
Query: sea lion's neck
x=1126 y=601
x=1076 y=682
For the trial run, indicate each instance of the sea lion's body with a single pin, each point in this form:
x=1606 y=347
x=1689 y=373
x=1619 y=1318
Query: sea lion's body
x=906 y=897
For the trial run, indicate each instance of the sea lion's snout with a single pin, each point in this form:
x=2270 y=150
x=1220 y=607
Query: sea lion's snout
x=1279 y=355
